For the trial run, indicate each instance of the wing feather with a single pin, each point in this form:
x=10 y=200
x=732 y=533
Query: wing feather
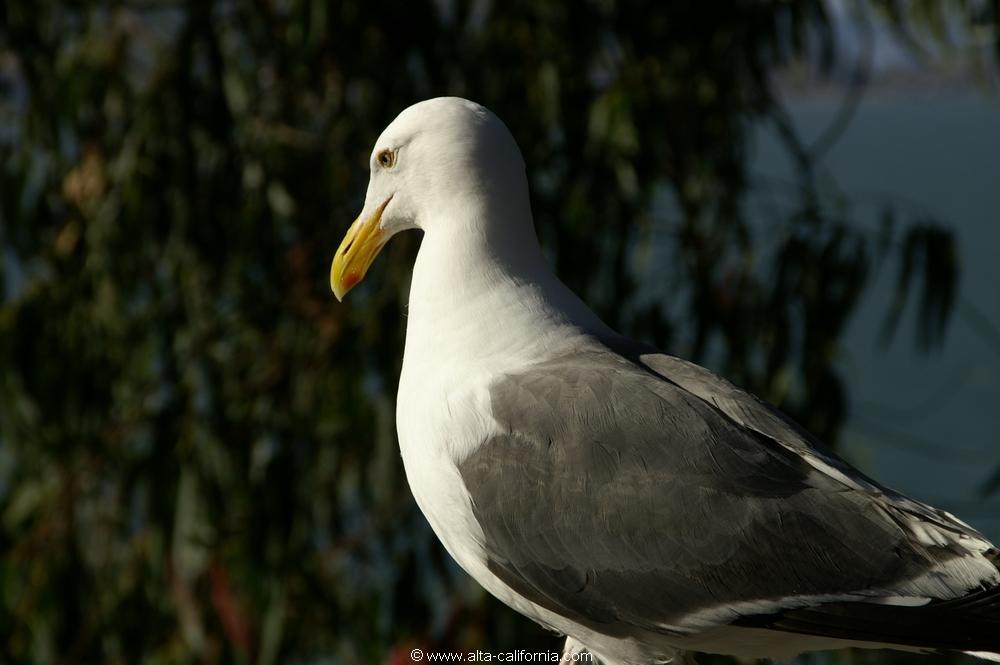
x=652 y=494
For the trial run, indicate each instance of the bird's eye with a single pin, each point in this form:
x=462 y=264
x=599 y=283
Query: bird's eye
x=386 y=159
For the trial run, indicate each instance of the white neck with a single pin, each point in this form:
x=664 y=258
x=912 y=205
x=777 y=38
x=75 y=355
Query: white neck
x=487 y=302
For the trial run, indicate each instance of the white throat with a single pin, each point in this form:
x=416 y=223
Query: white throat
x=487 y=304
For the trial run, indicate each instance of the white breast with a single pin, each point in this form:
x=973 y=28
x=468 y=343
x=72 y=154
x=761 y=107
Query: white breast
x=431 y=444
x=427 y=441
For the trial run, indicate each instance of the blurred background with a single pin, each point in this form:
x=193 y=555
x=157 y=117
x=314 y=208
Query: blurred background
x=197 y=444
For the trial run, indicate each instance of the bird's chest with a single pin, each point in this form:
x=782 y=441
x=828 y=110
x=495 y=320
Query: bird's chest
x=435 y=429
x=436 y=432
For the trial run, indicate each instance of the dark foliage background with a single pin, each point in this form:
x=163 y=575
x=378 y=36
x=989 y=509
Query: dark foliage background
x=197 y=453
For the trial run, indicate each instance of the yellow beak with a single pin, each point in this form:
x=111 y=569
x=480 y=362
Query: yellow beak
x=356 y=252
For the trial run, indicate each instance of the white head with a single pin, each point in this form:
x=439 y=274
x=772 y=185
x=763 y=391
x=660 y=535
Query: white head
x=446 y=166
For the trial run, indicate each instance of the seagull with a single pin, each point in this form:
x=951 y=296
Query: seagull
x=635 y=502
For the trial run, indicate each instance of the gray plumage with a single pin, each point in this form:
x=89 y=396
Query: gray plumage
x=619 y=497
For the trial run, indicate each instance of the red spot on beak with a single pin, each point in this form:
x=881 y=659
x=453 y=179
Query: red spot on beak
x=351 y=279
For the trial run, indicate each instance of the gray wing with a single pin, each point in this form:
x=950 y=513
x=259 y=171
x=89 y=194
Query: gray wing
x=764 y=418
x=617 y=497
